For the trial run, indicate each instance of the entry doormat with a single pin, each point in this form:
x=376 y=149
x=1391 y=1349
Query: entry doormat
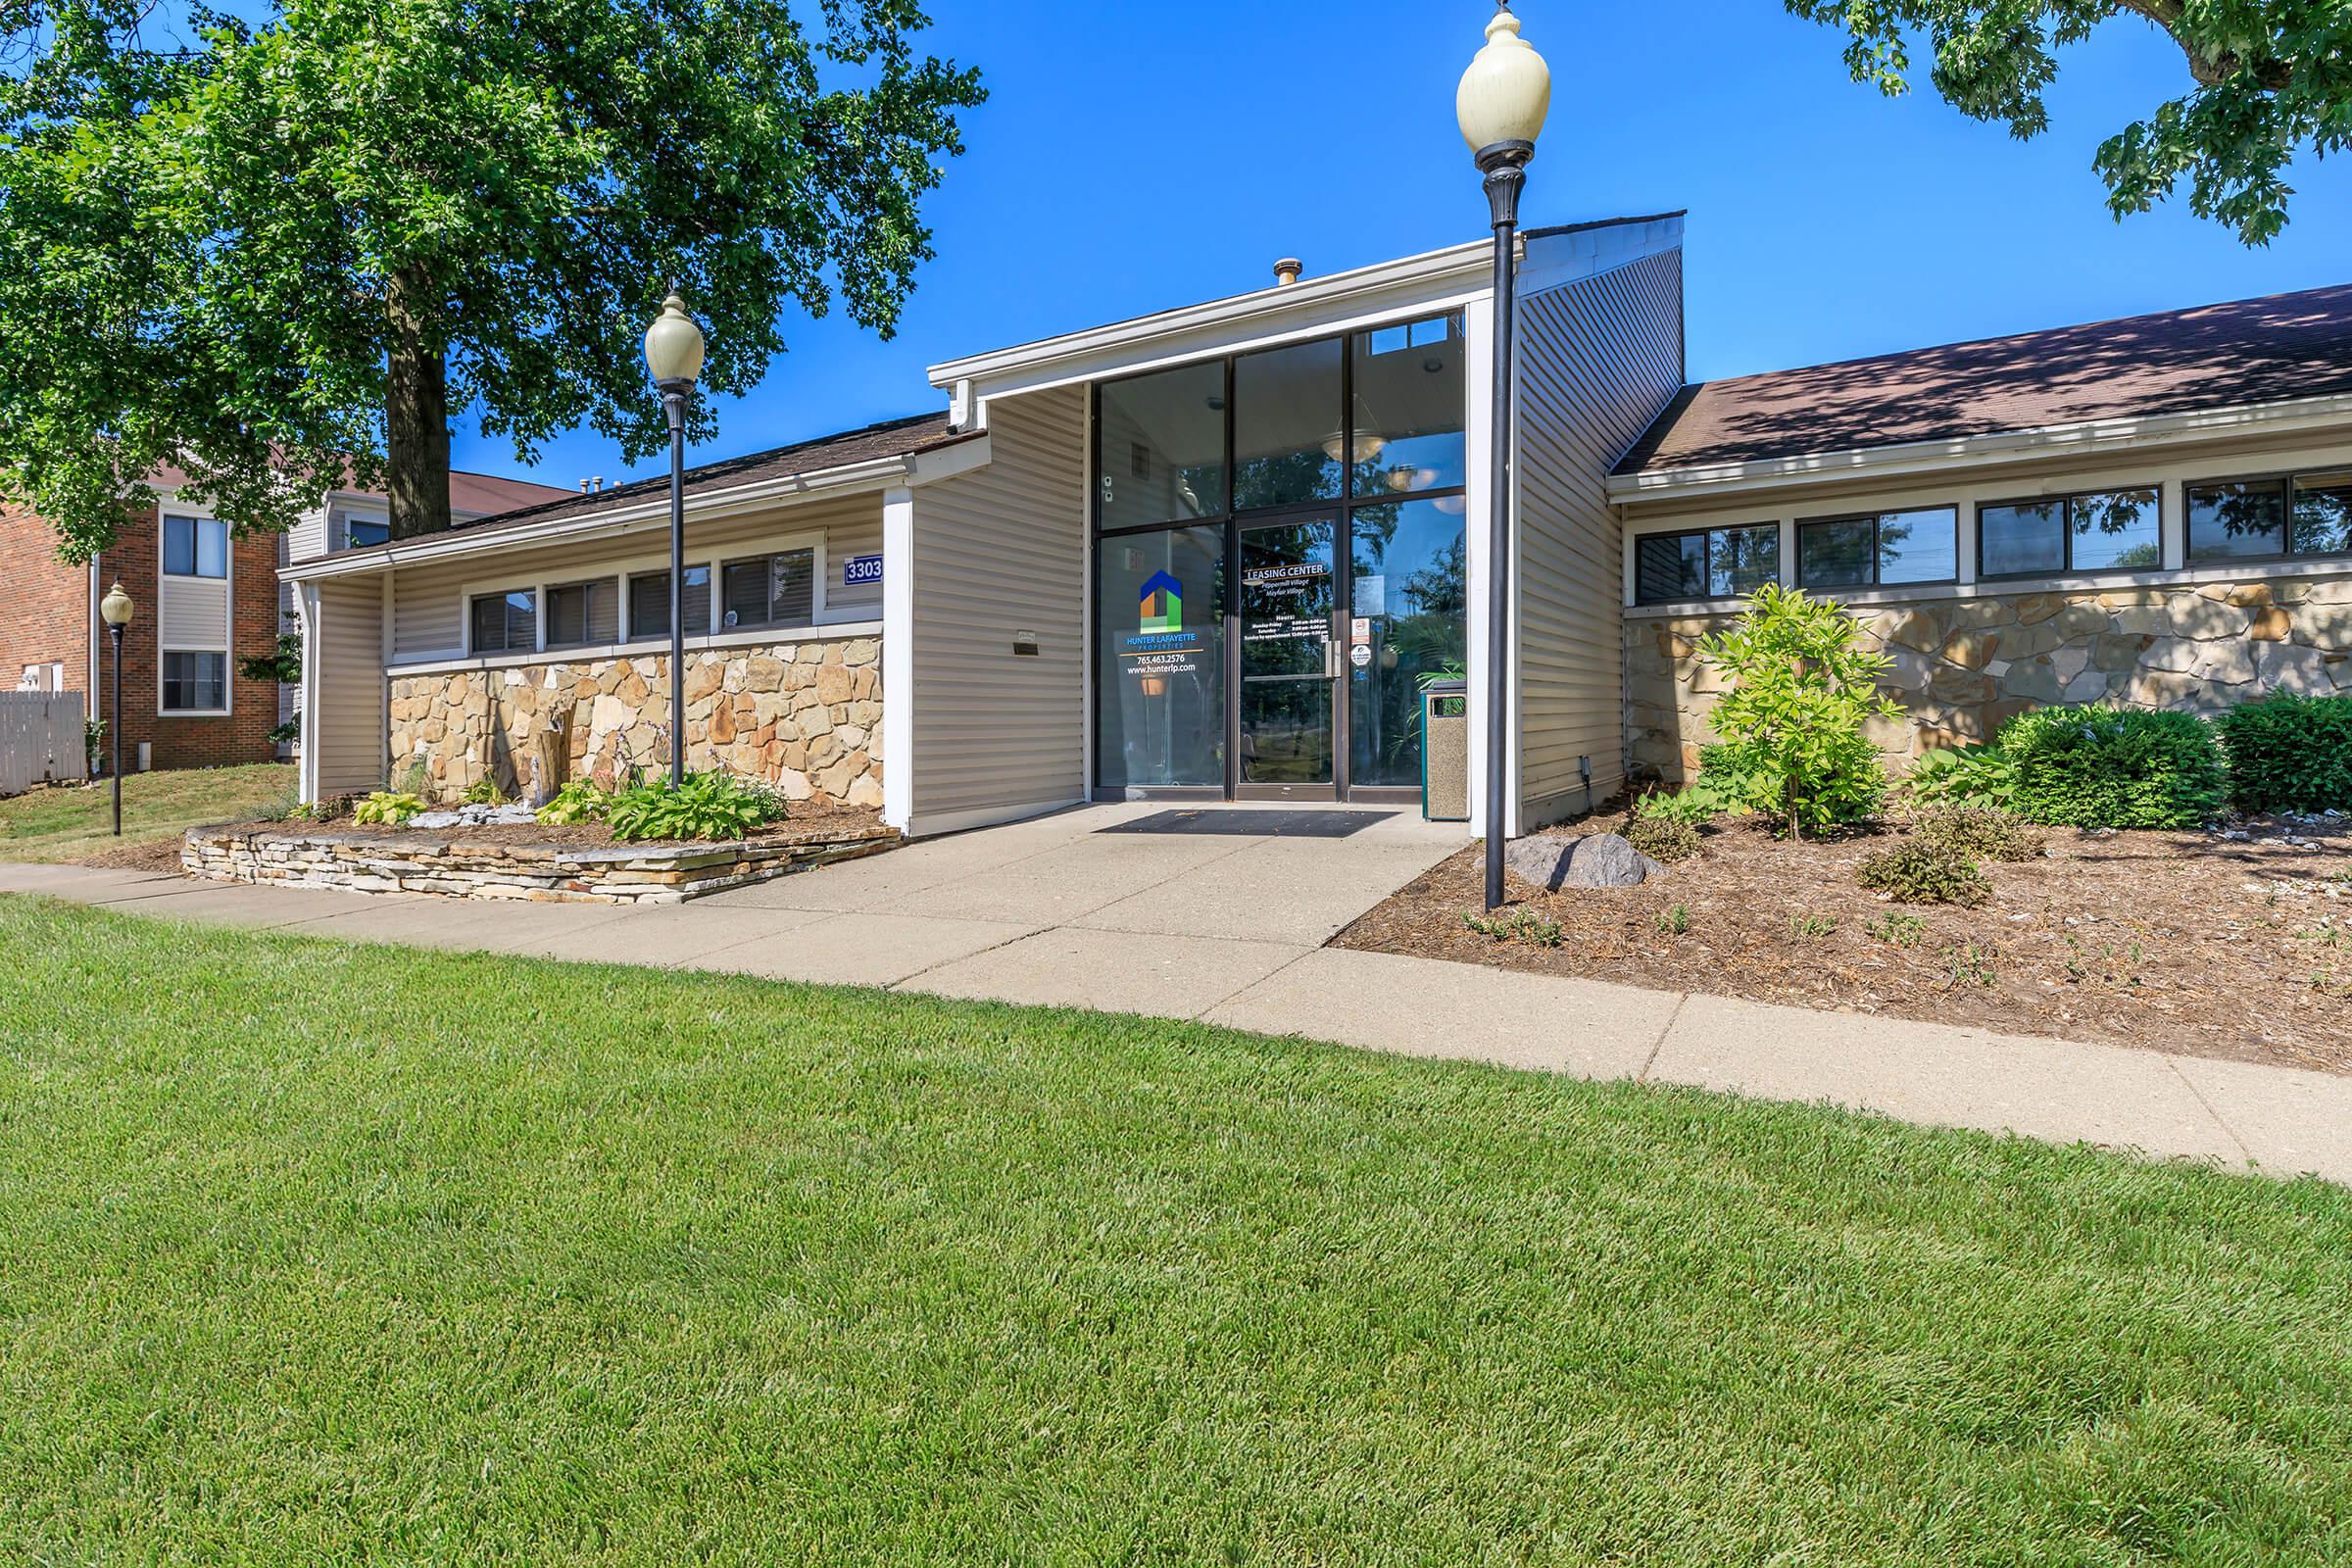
x=1284 y=823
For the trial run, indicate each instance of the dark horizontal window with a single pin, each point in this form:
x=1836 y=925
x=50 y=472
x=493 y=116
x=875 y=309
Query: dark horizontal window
x=195 y=547
x=649 y=603
x=2298 y=515
x=360 y=533
x=777 y=590
x=195 y=683
x=505 y=623
x=1879 y=549
x=2107 y=530
x=1707 y=562
x=581 y=615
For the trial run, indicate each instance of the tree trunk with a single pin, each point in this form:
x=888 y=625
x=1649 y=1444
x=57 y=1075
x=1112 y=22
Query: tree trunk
x=416 y=417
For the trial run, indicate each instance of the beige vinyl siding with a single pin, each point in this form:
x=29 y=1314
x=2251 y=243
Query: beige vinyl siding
x=1598 y=360
x=997 y=552
x=308 y=537
x=351 y=722
x=192 y=612
x=427 y=600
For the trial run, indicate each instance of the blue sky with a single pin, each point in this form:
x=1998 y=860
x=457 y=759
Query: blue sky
x=1138 y=157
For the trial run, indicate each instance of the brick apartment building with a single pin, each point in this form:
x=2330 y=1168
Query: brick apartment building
x=207 y=601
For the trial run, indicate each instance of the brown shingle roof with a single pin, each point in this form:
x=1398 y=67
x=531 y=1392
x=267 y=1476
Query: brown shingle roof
x=2271 y=350
x=893 y=438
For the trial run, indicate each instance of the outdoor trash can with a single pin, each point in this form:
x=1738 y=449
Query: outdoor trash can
x=1445 y=751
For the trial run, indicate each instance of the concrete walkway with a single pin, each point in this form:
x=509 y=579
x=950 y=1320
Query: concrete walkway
x=1077 y=909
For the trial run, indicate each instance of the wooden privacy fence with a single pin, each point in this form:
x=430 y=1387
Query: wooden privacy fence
x=41 y=739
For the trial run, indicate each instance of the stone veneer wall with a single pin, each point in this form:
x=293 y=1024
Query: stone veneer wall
x=806 y=716
x=1963 y=666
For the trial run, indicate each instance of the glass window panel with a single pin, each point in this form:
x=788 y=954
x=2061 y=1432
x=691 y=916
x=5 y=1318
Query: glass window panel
x=1835 y=555
x=2026 y=537
x=649 y=603
x=2235 y=518
x=1670 y=566
x=2117 y=530
x=1411 y=585
x=179 y=547
x=1919 y=546
x=1741 y=561
x=744 y=593
x=505 y=623
x=212 y=548
x=1411 y=387
x=195 y=683
x=1287 y=441
x=1160 y=659
x=2323 y=514
x=581 y=613
x=1160 y=447
x=360 y=532
x=776 y=590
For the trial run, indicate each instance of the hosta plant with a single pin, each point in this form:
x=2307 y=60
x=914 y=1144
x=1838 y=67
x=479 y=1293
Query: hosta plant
x=707 y=806
x=387 y=808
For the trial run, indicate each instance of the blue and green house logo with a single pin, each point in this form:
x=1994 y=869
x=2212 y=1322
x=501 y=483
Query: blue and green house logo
x=1162 y=603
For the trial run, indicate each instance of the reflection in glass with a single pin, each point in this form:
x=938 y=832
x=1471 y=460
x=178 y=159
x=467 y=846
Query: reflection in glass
x=2117 y=530
x=1889 y=548
x=1411 y=387
x=2028 y=537
x=1741 y=561
x=1710 y=563
x=1289 y=444
x=1836 y=554
x=1160 y=447
x=1289 y=590
x=1410 y=586
x=2323 y=514
x=1161 y=670
x=2246 y=518
x=1670 y=566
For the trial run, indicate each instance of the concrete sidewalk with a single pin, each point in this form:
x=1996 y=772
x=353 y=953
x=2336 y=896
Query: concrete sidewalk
x=1231 y=930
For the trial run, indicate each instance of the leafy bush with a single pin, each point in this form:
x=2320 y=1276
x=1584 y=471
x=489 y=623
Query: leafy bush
x=1915 y=872
x=2290 y=753
x=707 y=806
x=2113 y=768
x=1979 y=833
x=583 y=800
x=1800 y=687
x=484 y=792
x=387 y=808
x=1697 y=802
x=1664 y=839
x=1963 y=775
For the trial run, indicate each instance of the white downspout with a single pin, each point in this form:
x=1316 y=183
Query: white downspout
x=898 y=658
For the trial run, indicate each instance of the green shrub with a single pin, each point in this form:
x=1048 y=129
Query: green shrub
x=1963 y=775
x=707 y=806
x=484 y=792
x=1664 y=839
x=1926 y=873
x=1979 y=833
x=1517 y=924
x=1897 y=930
x=2113 y=768
x=583 y=800
x=1799 y=688
x=1697 y=802
x=2290 y=753
x=387 y=808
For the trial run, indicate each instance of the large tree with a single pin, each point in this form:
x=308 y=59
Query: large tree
x=262 y=250
x=2266 y=79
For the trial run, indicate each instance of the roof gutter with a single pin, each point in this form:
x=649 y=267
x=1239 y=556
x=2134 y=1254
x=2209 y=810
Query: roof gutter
x=2087 y=437
x=911 y=469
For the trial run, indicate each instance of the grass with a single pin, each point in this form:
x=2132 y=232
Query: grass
x=320 y=1254
x=63 y=824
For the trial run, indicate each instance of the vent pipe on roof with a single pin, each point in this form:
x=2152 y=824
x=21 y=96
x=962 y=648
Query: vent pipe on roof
x=1289 y=270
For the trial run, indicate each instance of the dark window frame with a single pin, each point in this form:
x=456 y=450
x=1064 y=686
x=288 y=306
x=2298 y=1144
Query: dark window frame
x=587 y=585
x=813 y=550
x=635 y=633
x=1874 y=519
x=2067 y=532
x=2289 y=482
x=196 y=528
x=1780 y=573
x=372 y=523
x=191 y=685
x=504 y=597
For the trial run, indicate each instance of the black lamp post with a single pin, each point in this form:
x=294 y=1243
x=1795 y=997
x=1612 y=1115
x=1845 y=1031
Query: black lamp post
x=673 y=351
x=1504 y=97
x=116 y=610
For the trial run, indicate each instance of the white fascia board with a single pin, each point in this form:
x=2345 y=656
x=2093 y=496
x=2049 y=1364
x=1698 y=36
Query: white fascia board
x=1555 y=261
x=879 y=473
x=1312 y=308
x=2087 y=439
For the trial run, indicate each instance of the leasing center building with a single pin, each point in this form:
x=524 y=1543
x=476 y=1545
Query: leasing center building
x=1215 y=552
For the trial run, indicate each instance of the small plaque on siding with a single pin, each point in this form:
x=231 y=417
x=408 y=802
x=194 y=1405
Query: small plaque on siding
x=1024 y=644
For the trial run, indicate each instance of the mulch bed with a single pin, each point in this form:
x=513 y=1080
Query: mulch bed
x=2196 y=942
x=155 y=855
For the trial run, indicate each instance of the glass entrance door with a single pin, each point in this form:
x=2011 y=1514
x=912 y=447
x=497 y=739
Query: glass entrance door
x=1289 y=660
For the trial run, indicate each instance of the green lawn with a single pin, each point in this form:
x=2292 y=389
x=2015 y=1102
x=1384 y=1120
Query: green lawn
x=64 y=824
x=320 y=1254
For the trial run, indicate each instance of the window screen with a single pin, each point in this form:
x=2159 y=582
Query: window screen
x=776 y=590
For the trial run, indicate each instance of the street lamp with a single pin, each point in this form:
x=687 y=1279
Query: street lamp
x=673 y=351
x=116 y=610
x=1504 y=98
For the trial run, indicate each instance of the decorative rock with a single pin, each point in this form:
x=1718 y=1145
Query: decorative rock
x=1602 y=861
x=2272 y=625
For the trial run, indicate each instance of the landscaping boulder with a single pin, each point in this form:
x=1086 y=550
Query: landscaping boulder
x=1601 y=860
